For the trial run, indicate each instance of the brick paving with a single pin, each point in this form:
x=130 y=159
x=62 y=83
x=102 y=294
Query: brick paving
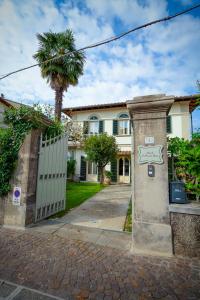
x=79 y=270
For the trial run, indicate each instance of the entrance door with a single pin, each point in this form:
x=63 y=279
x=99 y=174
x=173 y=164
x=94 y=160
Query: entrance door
x=91 y=171
x=124 y=170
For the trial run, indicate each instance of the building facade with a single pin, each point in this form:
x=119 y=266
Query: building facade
x=114 y=119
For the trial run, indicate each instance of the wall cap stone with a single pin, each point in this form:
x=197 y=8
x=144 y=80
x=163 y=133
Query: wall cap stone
x=192 y=208
x=150 y=104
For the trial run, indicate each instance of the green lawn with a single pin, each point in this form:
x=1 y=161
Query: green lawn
x=77 y=193
x=128 y=222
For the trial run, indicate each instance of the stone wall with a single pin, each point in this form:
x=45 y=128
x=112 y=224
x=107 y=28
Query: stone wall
x=24 y=176
x=186 y=234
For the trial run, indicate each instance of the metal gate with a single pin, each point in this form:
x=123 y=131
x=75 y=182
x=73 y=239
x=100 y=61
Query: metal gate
x=52 y=175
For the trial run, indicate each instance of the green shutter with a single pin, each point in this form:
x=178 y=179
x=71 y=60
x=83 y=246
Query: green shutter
x=129 y=126
x=115 y=127
x=101 y=126
x=114 y=170
x=83 y=169
x=169 y=124
x=85 y=127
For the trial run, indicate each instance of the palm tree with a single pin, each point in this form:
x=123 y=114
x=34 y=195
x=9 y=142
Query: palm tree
x=60 y=72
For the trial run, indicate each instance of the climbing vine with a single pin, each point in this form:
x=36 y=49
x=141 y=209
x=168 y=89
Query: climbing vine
x=20 y=121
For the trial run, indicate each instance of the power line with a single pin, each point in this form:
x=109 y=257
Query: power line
x=106 y=41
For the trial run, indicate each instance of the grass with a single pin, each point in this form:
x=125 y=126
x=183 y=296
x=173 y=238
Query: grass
x=78 y=193
x=128 y=222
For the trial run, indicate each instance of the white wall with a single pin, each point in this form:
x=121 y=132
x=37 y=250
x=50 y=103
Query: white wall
x=181 y=120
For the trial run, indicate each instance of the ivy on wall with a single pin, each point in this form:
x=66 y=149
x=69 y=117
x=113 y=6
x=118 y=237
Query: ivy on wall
x=20 y=120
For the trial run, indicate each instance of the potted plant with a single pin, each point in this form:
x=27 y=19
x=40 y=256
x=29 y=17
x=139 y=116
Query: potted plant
x=107 y=177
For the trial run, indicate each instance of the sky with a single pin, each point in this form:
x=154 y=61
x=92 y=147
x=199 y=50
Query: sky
x=163 y=58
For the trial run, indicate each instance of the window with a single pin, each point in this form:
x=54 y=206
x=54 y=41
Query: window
x=92 y=168
x=94 y=128
x=123 y=127
x=123 y=124
x=93 y=125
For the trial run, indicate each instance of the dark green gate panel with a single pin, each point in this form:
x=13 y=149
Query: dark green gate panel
x=114 y=170
x=83 y=169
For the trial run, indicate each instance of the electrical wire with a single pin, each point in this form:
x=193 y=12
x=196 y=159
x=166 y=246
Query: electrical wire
x=106 y=41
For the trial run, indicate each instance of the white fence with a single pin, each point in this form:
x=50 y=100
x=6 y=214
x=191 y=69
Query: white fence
x=52 y=175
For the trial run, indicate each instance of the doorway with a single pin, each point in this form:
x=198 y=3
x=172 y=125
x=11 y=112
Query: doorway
x=124 y=170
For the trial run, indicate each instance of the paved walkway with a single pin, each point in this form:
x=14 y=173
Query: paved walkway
x=78 y=270
x=105 y=210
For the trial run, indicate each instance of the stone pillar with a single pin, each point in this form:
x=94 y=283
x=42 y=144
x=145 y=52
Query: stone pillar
x=25 y=176
x=151 y=222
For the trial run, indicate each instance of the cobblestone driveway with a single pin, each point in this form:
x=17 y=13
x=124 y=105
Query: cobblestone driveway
x=80 y=270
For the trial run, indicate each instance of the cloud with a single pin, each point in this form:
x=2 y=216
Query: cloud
x=160 y=59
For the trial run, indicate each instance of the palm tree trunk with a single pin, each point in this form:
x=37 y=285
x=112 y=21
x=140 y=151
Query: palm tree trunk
x=58 y=102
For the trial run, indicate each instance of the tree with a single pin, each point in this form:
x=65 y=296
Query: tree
x=60 y=72
x=101 y=149
x=187 y=161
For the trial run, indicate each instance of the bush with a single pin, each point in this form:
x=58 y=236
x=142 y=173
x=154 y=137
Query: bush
x=71 y=167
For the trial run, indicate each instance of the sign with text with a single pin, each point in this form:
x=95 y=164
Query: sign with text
x=16 y=195
x=150 y=154
x=149 y=140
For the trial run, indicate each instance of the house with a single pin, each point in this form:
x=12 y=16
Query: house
x=5 y=104
x=114 y=119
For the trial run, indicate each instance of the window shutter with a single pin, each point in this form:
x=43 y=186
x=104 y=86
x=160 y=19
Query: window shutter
x=115 y=127
x=129 y=126
x=114 y=170
x=101 y=126
x=85 y=127
x=169 y=124
x=83 y=169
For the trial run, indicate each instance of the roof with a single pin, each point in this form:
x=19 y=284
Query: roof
x=14 y=104
x=192 y=98
x=10 y=103
x=69 y=110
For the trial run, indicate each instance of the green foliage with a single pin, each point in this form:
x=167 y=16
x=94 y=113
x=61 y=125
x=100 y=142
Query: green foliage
x=60 y=72
x=186 y=160
x=71 y=166
x=56 y=128
x=20 y=120
x=108 y=174
x=101 y=149
x=128 y=222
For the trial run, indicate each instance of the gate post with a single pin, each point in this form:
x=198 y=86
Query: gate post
x=151 y=222
x=25 y=177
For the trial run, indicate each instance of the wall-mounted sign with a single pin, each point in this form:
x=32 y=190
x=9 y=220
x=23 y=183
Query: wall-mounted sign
x=16 y=195
x=149 y=140
x=150 y=154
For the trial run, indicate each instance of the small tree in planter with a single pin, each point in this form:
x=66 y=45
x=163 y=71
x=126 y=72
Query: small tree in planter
x=101 y=149
x=108 y=176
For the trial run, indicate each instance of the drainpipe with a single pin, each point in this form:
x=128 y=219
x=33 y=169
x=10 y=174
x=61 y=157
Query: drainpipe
x=191 y=124
x=132 y=174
